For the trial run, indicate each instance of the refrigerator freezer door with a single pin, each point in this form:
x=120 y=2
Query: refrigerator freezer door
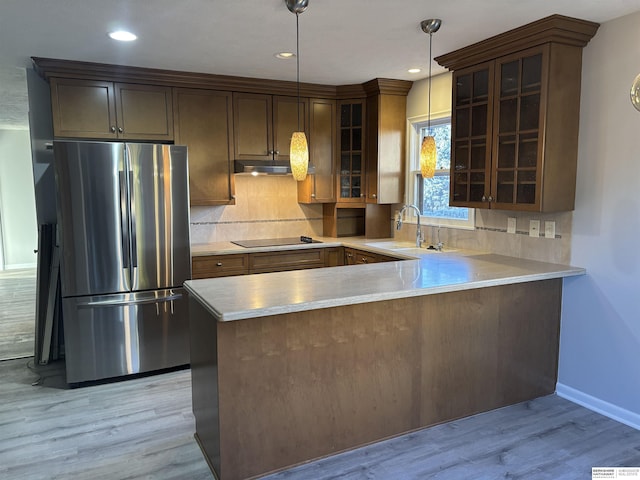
x=114 y=335
x=91 y=188
x=159 y=212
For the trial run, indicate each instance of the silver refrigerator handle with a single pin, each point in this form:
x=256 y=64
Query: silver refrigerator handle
x=124 y=225
x=129 y=301
x=132 y=210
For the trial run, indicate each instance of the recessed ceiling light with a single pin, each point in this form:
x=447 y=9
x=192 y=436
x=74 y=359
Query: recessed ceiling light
x=285 y=55
x=414 y=70
x=123 y=36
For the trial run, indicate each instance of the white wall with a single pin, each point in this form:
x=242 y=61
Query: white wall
x=600 y=334
x=17 y=204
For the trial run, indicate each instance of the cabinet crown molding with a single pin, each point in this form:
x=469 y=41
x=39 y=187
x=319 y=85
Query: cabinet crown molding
x=555 y=28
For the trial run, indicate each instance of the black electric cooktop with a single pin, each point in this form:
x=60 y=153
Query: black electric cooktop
x=275 y=242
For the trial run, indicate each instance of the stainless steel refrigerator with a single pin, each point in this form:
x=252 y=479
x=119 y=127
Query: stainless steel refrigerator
x=123 y=219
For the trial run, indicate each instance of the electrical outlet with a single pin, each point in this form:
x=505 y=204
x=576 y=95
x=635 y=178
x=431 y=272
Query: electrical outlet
x=534 y=228
x=550 y=229
x=511 y=225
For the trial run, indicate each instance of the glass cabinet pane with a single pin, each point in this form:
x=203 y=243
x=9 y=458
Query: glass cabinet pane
x=507 y=151
x=356 y=115
x=463 y=122
x=356 y=163
x=505 y=186
x=345 y=140
x=356 y=139
x=481 y=86
x=526 y=186
x=461 y=161
x=345 y=116
x=529 y=111
x=509 y=78
x=528 y=150
x=479 y=120
x=345 y=163
x=463 y=89
x=531 y=73
x=478 y=154
x=508 y=115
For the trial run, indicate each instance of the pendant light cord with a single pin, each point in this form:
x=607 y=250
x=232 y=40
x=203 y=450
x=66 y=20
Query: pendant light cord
x=429 y=95
x=298 y=67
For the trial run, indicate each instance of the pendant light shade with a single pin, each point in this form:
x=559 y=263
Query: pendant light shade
x=428 y=153
x=299 y=156
x=298 y=150
x=428 y=157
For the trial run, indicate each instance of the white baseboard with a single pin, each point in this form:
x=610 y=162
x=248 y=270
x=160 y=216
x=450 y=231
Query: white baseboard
x=600 y=406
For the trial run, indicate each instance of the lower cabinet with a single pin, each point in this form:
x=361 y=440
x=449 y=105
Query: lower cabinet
x=212 y=266
x=353 y=256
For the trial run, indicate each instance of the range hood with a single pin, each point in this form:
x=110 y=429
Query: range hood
x=265 y=167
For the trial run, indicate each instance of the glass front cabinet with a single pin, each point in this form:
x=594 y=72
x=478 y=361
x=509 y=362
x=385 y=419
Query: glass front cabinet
x=515 y=123
x=351 y=173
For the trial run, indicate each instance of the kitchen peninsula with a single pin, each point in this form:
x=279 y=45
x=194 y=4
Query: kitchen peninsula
x=292 y=366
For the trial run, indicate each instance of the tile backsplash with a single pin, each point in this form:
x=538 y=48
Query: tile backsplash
x=490 y=235
x=266 y=207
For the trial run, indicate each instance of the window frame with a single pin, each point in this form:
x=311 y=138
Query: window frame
x=415 y=124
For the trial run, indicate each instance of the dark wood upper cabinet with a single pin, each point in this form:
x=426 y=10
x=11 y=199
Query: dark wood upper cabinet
x=320 y=187
x=263 y=125
x=515 y=113
x=203 y=121
x=109 y=110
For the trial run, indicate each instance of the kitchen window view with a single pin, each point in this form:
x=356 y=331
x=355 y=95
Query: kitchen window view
x=431 y=195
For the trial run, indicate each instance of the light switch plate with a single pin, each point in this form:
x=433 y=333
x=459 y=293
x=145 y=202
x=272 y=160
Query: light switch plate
x=534 y=228
x=511 y=225
x=550 y=229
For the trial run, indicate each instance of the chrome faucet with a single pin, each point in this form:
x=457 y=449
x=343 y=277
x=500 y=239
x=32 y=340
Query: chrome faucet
x=418 y=229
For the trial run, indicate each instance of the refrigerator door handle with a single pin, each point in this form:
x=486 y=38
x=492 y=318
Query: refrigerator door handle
x=134 y=246
x=124 y=226
x=130 y=301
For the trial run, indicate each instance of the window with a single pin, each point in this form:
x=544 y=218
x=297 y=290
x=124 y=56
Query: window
x=431 y=195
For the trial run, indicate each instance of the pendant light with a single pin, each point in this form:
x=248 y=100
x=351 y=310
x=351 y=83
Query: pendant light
x=428 y=154
x=298 y=150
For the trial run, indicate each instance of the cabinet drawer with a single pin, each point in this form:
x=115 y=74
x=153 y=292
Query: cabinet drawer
x=286 y=260
x=211 y=266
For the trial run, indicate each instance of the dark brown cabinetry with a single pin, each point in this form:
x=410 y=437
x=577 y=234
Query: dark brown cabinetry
x=263 y=125
x=386 y=137
x=319 y=187
x=351 y=161
x=203 y=121
x=106 y=110
x=212 y=266
x=516 y=106
x=353 y=256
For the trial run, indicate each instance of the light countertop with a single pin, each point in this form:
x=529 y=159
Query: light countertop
x=426 y=272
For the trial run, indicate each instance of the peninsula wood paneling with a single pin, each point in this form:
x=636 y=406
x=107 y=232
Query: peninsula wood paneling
x=305 y=385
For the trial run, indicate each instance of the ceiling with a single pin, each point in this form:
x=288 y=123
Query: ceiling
x=341 y=41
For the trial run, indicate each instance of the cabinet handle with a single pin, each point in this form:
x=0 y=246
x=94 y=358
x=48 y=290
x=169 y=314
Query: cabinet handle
x=364 y=260
x=361 y=195
x=373 y=195
x=349 y=255
x=113 y=129
x=313 y=195
x=120 y=130
x=277 y=152
x=484 y=199
x=219 y=264
x=490 y=198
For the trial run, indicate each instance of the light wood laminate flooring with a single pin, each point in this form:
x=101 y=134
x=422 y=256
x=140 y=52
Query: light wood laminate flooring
x=143 y=429
x=17 y=313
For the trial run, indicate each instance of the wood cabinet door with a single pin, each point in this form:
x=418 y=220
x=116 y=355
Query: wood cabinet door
x=252 y=126
x=351 y=156
x=203 y=121
x=285 y=122
x=83 y=109
x=519 y=97
x=386 y=134
x=145 y=112
x=471 y=127
x=320 y=187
